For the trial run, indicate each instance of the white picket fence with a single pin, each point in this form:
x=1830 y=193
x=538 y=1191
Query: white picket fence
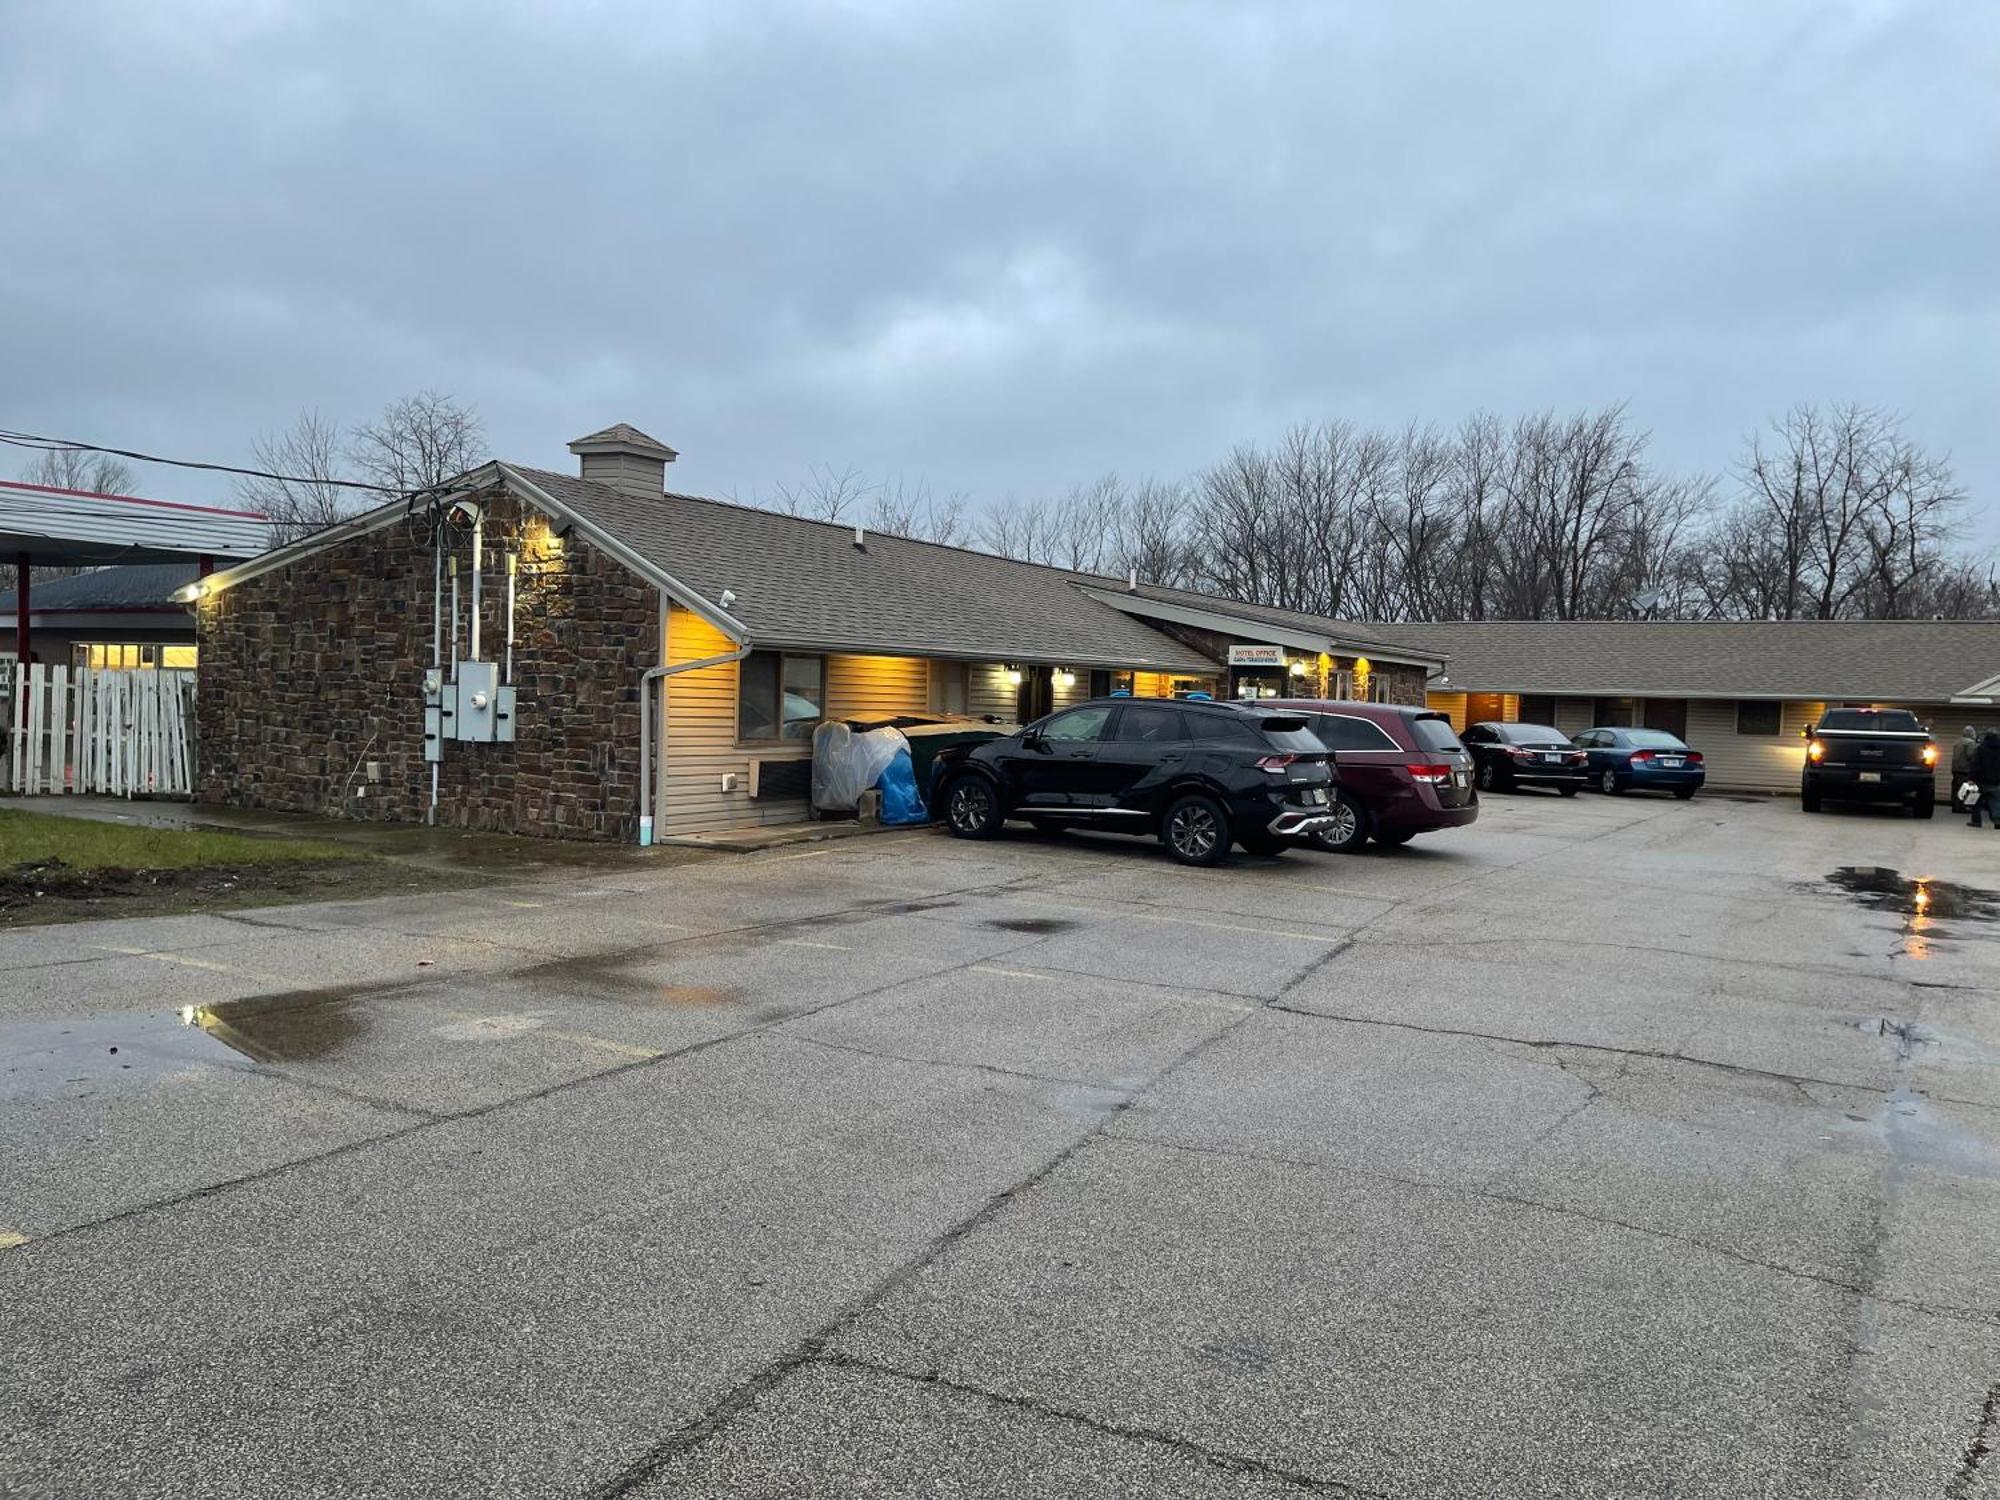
x=128 y=733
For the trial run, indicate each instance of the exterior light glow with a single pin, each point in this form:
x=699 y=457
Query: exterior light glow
x=1013 y=677
x=1297 y=668
x=1064 y=677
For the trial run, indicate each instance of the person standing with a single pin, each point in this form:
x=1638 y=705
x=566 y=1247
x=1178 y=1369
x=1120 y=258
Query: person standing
x=1961 y=760
x=1986 y=771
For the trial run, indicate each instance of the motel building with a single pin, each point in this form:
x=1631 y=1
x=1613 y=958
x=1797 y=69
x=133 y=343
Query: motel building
x=588 y=654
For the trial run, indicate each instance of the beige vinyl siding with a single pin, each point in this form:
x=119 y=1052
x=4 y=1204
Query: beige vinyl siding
x=1076 y=692
x=1574 y=715
x=1451 y=705
x=876 y=687
x=1749 y=762
x=989 y=692
x=700 y=736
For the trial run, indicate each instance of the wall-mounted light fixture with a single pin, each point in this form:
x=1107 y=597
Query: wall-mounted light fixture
x=1297 y=667
x=189 y=593
x=1013 y=677
x=1064 y=677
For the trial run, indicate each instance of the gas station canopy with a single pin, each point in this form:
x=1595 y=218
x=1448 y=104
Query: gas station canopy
x=45 y=527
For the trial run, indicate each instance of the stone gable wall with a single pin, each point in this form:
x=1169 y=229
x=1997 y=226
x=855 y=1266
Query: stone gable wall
x=310 y=673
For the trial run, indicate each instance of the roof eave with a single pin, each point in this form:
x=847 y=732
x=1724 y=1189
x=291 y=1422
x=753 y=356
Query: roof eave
x=1141 y=606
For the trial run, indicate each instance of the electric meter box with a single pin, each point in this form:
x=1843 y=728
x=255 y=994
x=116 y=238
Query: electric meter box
x=476 y=714
x=503 y=718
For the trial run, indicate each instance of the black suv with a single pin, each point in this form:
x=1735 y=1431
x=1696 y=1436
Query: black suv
x=1199 y=774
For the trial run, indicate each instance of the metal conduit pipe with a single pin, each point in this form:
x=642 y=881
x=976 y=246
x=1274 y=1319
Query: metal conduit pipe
x=652 y=675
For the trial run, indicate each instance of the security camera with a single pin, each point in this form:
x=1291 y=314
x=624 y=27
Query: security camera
x=465 y=514
x=728 y=597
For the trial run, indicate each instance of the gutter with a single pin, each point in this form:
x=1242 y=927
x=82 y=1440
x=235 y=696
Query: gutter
x=646 y=681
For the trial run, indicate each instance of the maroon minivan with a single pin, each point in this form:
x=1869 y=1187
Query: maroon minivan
x=1402 y=771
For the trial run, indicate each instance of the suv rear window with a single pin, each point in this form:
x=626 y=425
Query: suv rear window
x=1352 y=732
x=1289 y=732
x=1897 y=720
x=1434 y=734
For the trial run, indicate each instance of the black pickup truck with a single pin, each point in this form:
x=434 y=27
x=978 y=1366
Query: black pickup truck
x=1870 y=755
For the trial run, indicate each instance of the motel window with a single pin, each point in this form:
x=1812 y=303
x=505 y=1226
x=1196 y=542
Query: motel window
x=779 y=697
x=950 y=687
x=1754 y=717
x=1538 y=708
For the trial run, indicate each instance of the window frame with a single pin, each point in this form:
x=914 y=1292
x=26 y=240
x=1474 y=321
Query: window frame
x=1388 y=740
x=1106 y=709
x=944 y=674
x=778 y=703
x=1777 y=711
x=1117 y=735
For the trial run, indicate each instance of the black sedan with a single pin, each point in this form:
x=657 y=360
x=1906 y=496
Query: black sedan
x=1505 y=756
x=1198 y=775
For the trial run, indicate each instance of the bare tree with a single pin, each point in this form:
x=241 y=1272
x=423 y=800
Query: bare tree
x=307 y=497
x=826 y=494
x=418 y=442
x=1018 y=528
x=1152 y=533
x=74 y=469
x=898 y=508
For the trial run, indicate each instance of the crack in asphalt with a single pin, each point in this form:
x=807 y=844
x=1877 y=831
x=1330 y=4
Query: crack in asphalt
x=1981 y=1317
x=1548 y=1043
x=1977 y=1449
x=1233 y=1463
x=740 y=1397
x=947 y=1063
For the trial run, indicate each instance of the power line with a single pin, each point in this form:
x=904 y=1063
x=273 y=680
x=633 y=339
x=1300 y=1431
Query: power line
x=66 y=445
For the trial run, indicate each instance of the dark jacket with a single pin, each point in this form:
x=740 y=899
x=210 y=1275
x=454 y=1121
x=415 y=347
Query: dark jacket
x=1986 y=761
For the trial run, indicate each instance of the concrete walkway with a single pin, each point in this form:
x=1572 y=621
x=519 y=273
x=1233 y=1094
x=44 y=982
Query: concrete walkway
x=407 y=843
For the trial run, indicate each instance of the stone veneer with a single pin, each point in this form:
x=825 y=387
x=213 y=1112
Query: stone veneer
x=312 y=671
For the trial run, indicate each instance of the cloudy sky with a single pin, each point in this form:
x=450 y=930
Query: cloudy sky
x=996 y=247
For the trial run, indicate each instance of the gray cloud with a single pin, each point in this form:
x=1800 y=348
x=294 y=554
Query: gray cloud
x=1001 y=248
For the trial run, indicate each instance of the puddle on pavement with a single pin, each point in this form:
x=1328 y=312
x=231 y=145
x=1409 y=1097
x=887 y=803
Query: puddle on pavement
x=621 y=976
x=300 y=1027
x=51 y=1059
x=1922 y=902
x=1039 y=925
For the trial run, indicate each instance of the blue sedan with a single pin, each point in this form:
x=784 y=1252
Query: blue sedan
x=1647 y=760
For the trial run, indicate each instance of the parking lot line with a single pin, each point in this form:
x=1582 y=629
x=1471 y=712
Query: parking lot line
x=9 y=1238
x=808 y=943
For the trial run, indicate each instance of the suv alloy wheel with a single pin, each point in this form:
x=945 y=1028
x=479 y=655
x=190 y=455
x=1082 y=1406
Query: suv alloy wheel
x=1195 y=831
x=971 y=810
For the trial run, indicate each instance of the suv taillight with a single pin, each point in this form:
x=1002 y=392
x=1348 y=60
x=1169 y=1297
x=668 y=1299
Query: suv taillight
x=1435 y=775
x=1276 y=764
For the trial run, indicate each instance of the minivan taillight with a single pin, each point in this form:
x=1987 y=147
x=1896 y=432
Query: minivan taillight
x=1276 y=764
x=1435 y=775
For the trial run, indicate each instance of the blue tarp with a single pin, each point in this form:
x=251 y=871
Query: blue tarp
x=901 y=802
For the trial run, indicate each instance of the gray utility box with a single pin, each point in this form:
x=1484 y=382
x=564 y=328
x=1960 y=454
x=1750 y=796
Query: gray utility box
x=478 y=709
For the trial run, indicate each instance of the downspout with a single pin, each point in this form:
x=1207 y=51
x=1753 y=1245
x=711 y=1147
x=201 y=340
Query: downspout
x=652 y=675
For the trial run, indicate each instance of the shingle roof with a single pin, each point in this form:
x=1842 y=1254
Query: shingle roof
x=133 y=586
x=804 y=583
x=1911 y=660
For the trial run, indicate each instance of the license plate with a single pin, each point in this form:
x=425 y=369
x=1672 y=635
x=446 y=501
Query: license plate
x=1671 y=765
x=1316 y=794
x=1458 y=778
x=1554 y=760
x=1871 y=775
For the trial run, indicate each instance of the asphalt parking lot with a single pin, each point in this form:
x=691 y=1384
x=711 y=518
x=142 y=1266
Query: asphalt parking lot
x=1613 y=1147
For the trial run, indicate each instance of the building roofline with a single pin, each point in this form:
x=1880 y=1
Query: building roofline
x=1220 y=617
